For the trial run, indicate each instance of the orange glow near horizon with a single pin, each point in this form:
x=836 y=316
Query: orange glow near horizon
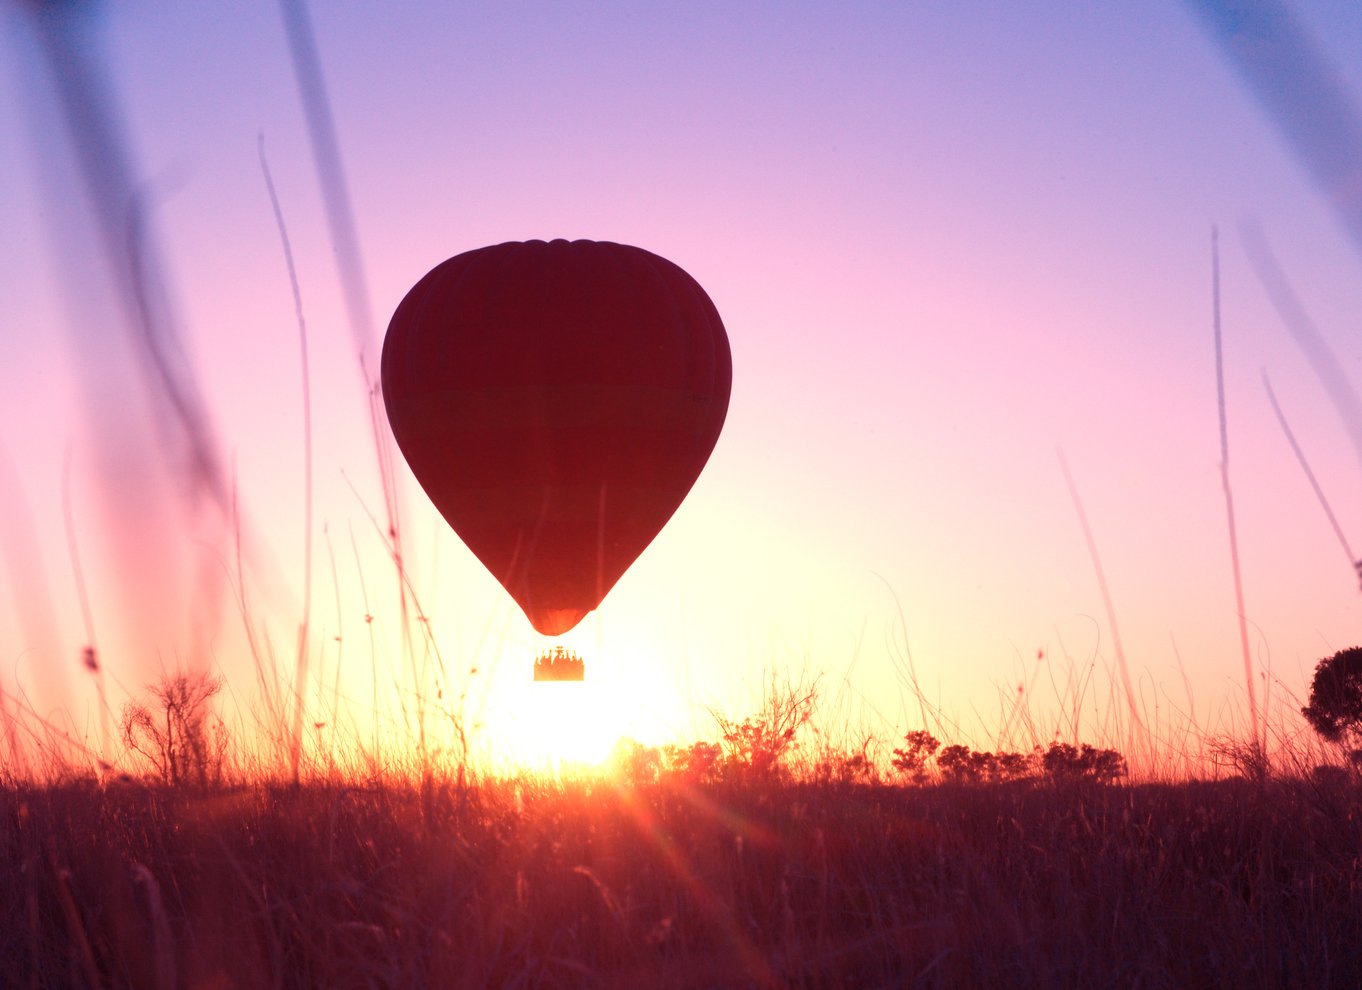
x=555 y=725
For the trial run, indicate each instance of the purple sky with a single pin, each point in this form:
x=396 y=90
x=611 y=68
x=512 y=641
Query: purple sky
x=946 y=239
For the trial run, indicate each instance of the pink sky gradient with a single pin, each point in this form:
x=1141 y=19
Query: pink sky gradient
x=946 y=240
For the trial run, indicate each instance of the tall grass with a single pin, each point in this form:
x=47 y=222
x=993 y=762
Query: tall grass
x=1228 y=491
x=589 y=883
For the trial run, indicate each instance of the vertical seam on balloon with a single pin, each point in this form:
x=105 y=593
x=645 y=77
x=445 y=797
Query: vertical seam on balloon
x=600 y=544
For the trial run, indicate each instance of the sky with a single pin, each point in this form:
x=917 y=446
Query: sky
x=955 y=246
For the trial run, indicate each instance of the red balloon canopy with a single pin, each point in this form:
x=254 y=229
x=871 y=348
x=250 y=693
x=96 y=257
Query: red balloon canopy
x=556 y=401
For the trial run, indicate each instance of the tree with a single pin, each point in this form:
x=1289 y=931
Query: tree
x=697 y=763
x=961 y=765
x=919 y=747
x=754 y=748
x=636 y=763
x=846 y=766
x=1064 y=762
x=1014 y=766
x=1335 y=709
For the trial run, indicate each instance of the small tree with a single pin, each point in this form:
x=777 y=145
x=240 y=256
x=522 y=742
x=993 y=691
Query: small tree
x=962 y=765
x=183 y=739
x=636 y=763
x=1335 y=708
x=918 y=747
x=1014 y=766
x=755 y=746
x=846 y=766
x=697 y=763
x=1062 y=761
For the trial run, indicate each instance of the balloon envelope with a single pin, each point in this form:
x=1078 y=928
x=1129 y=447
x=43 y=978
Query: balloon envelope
x=556 y=400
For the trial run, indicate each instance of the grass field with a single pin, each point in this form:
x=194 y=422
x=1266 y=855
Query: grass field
x=600 y=882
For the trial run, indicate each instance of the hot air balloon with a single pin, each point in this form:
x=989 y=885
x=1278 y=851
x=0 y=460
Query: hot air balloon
x=556 y=400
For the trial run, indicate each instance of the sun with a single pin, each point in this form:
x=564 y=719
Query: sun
x=559 y=725
x=538 y=725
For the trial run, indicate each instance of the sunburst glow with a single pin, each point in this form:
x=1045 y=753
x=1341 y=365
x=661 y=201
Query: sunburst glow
x=559 y=725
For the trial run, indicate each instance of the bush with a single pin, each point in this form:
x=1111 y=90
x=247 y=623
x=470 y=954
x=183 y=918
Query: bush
x=755 y=747
x=842 y=766
x=920 y=746
x=183 y=740
x=635 y=763
x=1015 y=766
x=960 y=764
x=697 y=763
x=1063 y=761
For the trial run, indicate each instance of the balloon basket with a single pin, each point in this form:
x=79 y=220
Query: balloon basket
x=559 y=664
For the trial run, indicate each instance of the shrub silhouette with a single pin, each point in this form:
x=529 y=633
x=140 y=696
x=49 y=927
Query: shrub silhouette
x=755 y=747
x=183 y=739
x=1335 y=708
x=919 y=747
x=635 y=763
x=1063 y=761
x=962 y=765
x=846 y=766
x=698 y=763
x=1014 y=766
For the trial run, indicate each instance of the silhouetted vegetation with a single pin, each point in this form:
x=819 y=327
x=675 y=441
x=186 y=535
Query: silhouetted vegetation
x=1335 y=708
x=754 y=860
x=755 y=746
x=178 y=733
x=738 y=883
x=1102 y=765
x=919 y=747
x=922 y=759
